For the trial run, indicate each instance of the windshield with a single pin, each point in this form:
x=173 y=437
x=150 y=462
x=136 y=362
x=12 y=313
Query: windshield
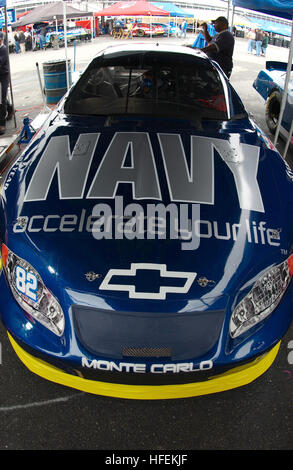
x=156 y=84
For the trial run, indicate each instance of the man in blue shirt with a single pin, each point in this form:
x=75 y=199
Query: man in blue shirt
x=184 y=28
x=118 y=24
x=220 y=48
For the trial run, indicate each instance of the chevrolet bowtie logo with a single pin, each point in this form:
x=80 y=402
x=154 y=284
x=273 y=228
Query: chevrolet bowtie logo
x=163 y=290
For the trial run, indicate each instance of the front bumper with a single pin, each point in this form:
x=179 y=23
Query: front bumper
x=233 y=378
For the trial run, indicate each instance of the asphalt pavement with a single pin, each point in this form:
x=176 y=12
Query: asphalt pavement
x=39 y=415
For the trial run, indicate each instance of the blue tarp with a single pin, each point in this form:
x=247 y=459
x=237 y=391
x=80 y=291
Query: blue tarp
x=2 y=3
x=173 y=10
x=271 y=26
x=281 y=8
x=200 y=41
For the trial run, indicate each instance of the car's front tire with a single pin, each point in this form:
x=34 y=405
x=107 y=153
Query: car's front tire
x=272 y=110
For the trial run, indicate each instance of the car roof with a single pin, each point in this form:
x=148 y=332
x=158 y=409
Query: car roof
x=152 y=47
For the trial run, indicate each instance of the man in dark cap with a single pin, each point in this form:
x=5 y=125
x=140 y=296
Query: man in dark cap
x=220 y=48
x=4 y=82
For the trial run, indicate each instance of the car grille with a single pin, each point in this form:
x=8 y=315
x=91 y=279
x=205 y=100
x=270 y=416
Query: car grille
x=177 y=336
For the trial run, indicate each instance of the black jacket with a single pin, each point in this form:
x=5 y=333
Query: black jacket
x=4 y=68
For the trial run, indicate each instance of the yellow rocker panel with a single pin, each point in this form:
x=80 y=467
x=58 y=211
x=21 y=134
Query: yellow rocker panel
x=237 y=377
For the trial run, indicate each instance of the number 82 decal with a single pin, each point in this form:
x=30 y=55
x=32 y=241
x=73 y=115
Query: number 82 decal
x=26 y=283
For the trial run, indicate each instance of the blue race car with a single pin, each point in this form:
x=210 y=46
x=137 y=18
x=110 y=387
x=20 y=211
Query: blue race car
x=270 y=85
x=147 y=233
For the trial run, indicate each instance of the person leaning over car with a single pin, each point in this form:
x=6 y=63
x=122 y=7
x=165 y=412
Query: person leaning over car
x=4 y=82
x=220 y=48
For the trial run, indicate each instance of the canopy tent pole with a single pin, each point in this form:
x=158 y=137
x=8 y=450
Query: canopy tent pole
x=284 y=97
x=65 y=42
x=228 y=10
x=232 y=19
x=10 y=82
x=151 y=32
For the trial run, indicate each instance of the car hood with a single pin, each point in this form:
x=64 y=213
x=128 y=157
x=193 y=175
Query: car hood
x=77 y=204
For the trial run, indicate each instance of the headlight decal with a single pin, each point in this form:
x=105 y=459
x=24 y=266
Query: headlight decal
x=31 y=293
x=26 y=283
x=262 y=299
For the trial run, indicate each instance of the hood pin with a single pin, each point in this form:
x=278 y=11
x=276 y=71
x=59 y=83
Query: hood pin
x=91 y=276
x=203 y=281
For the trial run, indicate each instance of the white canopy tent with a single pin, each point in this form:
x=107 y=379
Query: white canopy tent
x=282 y=9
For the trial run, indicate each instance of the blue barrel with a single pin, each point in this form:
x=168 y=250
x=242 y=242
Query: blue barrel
x=55 y=79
